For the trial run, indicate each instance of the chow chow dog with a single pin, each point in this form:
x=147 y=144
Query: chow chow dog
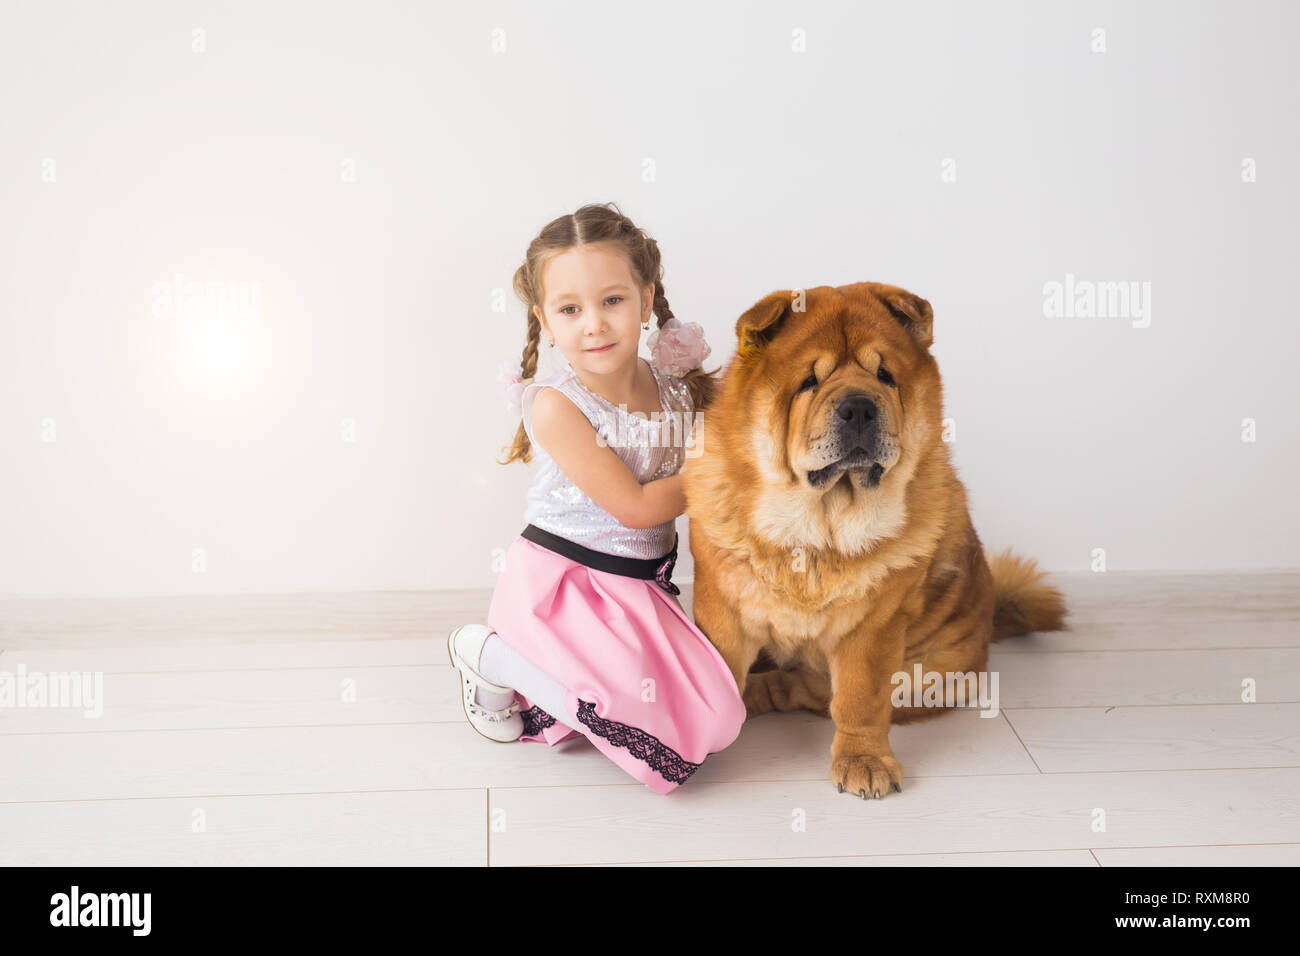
x=830 y=531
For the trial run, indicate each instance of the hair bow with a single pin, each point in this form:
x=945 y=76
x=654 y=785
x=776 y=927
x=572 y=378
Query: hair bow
x=511 y=379
x=678 y=347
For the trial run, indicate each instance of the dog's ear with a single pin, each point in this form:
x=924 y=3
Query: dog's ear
x=913 y=312
x=759 y=325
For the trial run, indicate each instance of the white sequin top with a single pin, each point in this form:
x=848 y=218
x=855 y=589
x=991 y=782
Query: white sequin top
x=652 y=448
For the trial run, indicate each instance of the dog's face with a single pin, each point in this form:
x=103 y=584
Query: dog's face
x=841 y=398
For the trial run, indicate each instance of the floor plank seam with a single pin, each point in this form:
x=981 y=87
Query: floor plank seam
x=416 y=723
x=584 y=786
x=868 y=856
x=1028 y=752
x=1142 y=650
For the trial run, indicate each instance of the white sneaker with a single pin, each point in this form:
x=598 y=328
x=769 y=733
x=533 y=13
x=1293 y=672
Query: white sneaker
x=463 y=645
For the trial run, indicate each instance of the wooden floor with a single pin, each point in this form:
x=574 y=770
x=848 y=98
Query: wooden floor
x=327 y=729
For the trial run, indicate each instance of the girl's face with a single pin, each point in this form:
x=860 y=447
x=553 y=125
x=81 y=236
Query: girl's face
x=591 y=299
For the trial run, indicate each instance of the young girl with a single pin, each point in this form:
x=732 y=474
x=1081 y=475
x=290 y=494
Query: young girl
x=584 y=634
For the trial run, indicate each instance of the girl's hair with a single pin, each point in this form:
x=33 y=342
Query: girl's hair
x=591 y=224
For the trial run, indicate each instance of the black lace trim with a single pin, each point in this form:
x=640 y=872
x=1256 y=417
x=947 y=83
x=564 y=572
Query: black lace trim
x=645 y=747
x=663 y=576
x=535 y=720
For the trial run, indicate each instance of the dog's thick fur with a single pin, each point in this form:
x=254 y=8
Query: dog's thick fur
x=840 y=547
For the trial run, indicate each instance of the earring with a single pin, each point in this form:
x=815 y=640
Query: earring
x=552 y=343
x=645 y=324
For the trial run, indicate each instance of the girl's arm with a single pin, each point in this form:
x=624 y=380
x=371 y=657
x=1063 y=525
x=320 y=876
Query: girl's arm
x=567 y=436
x=665 y=499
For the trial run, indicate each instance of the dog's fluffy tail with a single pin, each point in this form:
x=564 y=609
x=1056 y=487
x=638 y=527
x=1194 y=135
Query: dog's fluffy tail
x=1021 y=601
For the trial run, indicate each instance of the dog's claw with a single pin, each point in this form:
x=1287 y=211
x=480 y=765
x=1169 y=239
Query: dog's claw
x=862 y=794
x=898 y=788
x=841 y=786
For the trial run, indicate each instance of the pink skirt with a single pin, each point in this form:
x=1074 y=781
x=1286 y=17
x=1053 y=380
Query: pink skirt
x=643 y=683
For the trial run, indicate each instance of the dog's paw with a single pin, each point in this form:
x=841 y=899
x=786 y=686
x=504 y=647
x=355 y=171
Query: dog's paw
x=867 y=775
x=757 y=696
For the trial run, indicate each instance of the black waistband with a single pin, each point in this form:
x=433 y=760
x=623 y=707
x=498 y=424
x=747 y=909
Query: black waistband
x=658 y=569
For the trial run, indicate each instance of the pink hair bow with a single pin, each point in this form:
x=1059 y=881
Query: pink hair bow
x=677 y=347
x=511 y=379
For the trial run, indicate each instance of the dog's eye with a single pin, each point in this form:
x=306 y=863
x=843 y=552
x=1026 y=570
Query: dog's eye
x=884 y=376
x=809 y=382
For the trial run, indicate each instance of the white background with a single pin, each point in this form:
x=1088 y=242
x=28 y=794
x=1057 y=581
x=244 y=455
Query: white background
x=387 y=301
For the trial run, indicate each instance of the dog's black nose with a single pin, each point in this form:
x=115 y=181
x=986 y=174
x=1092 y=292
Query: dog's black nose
x=857 y=409
x=858 y=414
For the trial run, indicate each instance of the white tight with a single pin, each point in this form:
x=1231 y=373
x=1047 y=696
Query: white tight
x=502 y=664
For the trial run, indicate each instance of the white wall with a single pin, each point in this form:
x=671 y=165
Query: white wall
x=377 y=298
